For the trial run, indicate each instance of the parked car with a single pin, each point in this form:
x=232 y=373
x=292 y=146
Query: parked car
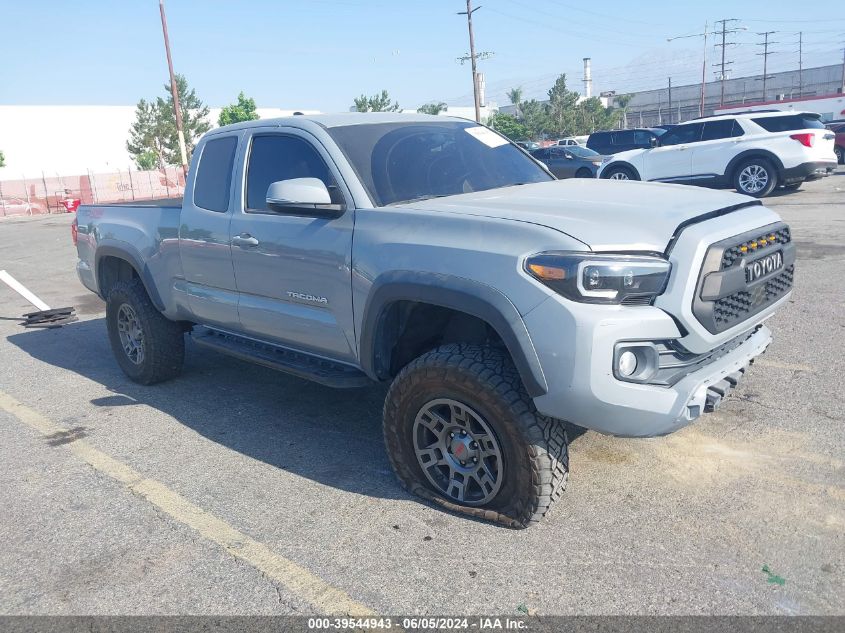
x=19 y=206
x=614 y=141
x=752 y=152
x=569 y=161
x=573 y=140
x=839 y=141
x=430 y=253
x=528 y=146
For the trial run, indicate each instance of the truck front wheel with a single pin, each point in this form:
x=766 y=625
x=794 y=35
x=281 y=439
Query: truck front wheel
x=461 y=431
x=148 y=347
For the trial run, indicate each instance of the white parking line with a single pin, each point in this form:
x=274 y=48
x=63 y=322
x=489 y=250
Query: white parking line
x=289 y=575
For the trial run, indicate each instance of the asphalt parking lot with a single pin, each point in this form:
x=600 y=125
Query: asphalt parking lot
x=237 y=490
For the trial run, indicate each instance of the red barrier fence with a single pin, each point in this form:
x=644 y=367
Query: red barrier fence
x=34 y=196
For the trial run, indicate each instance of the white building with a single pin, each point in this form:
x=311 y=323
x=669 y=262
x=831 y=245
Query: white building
x=66 y=140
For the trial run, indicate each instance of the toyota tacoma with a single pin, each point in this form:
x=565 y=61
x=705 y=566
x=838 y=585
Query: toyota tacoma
x=430 y=253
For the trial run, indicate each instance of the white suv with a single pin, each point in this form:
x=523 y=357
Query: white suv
x=752 y=152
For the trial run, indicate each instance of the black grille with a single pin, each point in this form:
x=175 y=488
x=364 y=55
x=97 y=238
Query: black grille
x=734 y=254
x=732 y=309
x=730 y=299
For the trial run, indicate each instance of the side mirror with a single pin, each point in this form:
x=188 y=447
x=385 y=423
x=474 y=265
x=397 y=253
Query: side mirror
x=302 y=196
x=654 y=141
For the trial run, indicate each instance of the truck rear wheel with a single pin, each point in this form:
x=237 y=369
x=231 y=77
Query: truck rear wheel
x=461 y=431
x=148 y=347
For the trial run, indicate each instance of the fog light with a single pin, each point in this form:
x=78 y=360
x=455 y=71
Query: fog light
x=627 y=363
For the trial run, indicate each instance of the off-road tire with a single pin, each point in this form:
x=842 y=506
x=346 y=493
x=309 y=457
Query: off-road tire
x=771 y=183
x=610 y=172
x=163 y=340
x=534 y=447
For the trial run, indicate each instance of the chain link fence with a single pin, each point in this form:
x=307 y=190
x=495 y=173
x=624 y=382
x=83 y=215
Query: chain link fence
x=35 y=196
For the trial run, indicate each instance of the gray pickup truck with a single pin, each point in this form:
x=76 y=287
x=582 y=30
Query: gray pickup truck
x=431 y=253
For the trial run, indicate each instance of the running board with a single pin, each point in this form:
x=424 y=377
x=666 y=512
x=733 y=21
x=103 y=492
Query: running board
x=297 y=364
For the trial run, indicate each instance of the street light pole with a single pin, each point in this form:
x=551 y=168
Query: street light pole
x=703 y=63
x=174 y=90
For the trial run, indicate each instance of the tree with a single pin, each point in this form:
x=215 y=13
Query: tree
x=147 y=160
x=515 y=97
x=622 y=101
x=508 y=125
x=194 y=121
x=147 y=136
x=535 y=117
x=243 y=110
x=376 y=103
x=432 y=108
x=154 y=128
x=562 y=102
x=2 y=159
x=591 y=115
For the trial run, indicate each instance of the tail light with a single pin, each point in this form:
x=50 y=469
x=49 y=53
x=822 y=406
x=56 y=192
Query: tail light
x=805 y=139
x=74 y=231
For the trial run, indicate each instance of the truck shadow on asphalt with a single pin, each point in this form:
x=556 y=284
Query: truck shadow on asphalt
x=327 y=435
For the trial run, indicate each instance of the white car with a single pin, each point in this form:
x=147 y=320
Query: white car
x=573 y=140
x=753 y=152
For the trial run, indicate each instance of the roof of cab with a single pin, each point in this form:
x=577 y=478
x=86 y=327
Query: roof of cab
x=341 y=119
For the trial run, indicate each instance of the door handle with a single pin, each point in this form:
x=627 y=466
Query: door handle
x=244 y=239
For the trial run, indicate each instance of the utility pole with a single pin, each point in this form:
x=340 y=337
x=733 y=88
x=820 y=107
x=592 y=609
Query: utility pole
x=670 y=99
x=703 y=73
x=842 y=88
x=765 y=55
x=800 y=64
x=174 y=90
x=469 y=13
x=724 y=32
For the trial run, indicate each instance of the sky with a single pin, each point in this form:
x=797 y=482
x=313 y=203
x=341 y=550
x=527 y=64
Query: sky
x=320 y=54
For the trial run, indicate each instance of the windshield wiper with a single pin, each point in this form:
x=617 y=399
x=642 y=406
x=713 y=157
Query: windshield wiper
x=419 y=198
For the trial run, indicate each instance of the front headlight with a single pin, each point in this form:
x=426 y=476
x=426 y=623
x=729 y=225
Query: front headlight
x=601 y=277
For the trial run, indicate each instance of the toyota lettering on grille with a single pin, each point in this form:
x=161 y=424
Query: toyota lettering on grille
x=763 y=266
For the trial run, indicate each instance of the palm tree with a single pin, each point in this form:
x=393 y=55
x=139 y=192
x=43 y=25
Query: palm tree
x=622 y=101
x=432 y=108
x=515 y=97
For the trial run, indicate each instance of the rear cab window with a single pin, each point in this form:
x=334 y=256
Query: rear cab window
x=214 y=174
x=789 y=122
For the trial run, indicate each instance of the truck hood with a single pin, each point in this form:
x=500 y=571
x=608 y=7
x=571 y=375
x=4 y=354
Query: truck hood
x=605 y=215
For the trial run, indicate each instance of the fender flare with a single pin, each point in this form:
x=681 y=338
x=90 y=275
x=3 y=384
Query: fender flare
x=126 y=252
x=621 y=163
x=460 y=294
x=752 y=153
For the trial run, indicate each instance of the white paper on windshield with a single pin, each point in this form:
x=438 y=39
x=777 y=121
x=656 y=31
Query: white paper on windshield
x=488 y=137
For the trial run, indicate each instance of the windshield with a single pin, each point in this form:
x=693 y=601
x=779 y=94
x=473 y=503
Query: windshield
x=401 y=162
x=584 y=152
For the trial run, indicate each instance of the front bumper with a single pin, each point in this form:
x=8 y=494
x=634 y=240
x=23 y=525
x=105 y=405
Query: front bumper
x=808 y=171
x=579 y=369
